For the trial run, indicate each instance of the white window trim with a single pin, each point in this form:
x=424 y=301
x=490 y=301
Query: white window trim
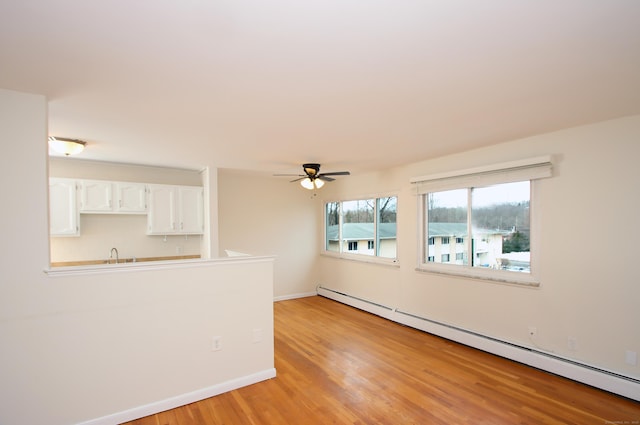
x=530 y=169
x=346 y=255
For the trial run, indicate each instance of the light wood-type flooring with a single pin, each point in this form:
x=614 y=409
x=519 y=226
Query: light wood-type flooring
x=339 y=365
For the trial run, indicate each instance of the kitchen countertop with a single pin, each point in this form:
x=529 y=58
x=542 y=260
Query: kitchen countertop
x=122 y=260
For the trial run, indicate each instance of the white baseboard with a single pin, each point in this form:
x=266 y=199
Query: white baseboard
x=568 y=368
x=182 y=399
x=294 y=296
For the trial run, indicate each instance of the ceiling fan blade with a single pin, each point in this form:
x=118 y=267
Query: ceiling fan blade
x=298 y=179
x=288 y=175
x=325 y=178
x=337 y=173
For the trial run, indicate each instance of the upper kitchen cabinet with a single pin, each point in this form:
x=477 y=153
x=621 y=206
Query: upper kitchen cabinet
x=64 y=217
x=175 y=210
x=101 y=196
x=130 y=197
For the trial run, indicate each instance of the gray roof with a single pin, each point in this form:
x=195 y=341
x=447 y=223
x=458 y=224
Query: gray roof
x=364 y=231
x=459 y=230
x=361 y=231
x=448 y=229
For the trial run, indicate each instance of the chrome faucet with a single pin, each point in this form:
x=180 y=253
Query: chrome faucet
x=111 y=255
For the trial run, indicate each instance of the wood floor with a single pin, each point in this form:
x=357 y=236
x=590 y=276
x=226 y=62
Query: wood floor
x=338 y=365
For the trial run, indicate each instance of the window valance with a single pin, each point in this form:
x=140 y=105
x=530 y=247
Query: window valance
x=506 y=172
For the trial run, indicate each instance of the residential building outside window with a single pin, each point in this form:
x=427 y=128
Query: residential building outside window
x=364 y=227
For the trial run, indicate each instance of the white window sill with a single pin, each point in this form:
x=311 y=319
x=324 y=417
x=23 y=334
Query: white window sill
x=381 y=261
x=488 y=275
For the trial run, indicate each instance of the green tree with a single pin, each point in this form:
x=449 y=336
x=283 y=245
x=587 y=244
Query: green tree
x=516 y=242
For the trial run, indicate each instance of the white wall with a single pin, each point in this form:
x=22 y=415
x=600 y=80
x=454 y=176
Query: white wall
x=264 y=214
x=116 y=343
x=589 y=235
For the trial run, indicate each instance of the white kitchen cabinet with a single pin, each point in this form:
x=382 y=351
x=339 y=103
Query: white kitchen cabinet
x=191 y=210
x=175 y=210
x=105 y=197
x=96 y=196
x=64 y=216
x=130 y=197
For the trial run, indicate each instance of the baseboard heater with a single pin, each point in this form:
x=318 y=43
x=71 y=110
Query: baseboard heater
x=625 y=386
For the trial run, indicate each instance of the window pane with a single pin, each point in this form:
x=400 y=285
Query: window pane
x=501 y=230
x=387 y=242
x=357 y=225
x=332 y=235
x=447 y=222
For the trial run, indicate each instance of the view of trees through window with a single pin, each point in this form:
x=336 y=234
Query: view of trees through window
x=371 y=222
x=500 y=230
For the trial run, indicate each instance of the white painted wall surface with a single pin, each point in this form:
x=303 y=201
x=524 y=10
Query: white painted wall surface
x=587 y=293
x=77 y=348
x=265 y=214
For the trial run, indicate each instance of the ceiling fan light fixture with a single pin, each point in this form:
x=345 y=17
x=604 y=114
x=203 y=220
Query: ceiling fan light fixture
x=307 y=183
x=66 y=146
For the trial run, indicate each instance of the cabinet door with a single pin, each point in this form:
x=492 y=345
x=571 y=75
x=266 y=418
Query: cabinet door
x=64 y=218
x=131 y=197
x=191 y=210
x=96 y=196
x=161 y=219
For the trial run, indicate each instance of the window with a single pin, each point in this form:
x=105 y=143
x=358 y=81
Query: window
x=494 y=220
x=370 y=222
x=487 y=211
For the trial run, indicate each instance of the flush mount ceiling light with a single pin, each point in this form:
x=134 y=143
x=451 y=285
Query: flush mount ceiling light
x=66 y=146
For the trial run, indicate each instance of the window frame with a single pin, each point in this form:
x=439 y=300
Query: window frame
x=352 y=255
x=532 y=170
x=468 y=271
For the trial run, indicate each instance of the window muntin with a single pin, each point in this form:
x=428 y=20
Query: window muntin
x=362 y=227
x=497 y=218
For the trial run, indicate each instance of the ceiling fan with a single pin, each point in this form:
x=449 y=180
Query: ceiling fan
x=313 y=179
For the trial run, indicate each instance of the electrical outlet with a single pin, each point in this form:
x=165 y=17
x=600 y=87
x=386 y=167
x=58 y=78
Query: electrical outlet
x=216 y=343
x=533 y=331
x=257 y=335
x=631 y=358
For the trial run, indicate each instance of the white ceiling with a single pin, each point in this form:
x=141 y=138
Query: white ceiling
x=352 y=84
